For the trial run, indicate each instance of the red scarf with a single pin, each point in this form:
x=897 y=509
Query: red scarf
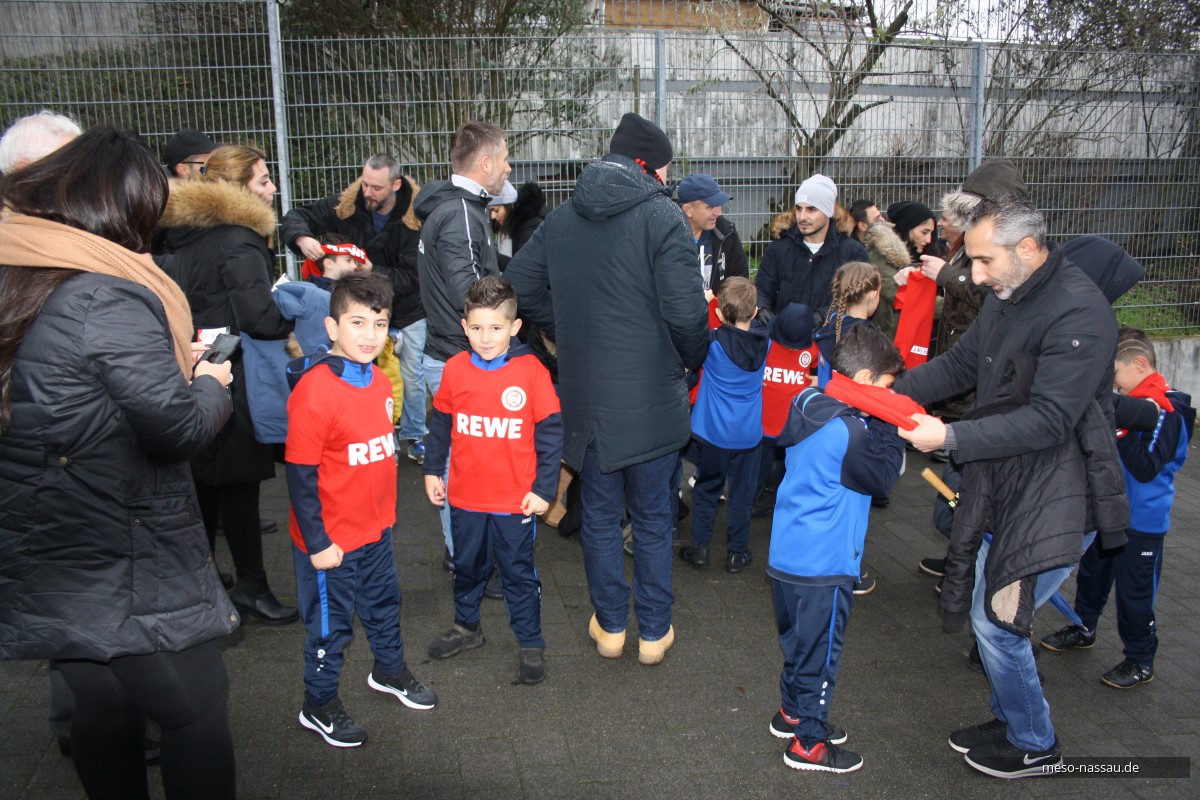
x=896 y=409
x=917 y=300
x=1154 y=387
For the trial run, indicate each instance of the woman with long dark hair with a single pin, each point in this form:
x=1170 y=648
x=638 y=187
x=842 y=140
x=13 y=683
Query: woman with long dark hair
x=103 y=563
x=217 y=231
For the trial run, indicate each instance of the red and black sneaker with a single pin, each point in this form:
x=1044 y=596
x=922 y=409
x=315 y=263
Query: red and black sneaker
x=822 y=756
x=784 y=727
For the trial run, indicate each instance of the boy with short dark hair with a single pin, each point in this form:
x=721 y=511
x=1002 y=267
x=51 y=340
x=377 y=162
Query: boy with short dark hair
x=842 y=450
x=1150 y=460
x=496 y=418
x=341 y=472
x=727 y=425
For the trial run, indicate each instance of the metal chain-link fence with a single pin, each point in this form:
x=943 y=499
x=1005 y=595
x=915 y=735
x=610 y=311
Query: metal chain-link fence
x=1108 y=142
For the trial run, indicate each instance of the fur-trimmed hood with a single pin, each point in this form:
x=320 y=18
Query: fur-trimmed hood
x=348 y=201
x=210 y=204
x=881 y=238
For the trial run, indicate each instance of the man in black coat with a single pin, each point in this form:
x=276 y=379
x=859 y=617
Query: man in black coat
x=798 y=266
x=612 y=275
x=376 y=213
x=1039 y=308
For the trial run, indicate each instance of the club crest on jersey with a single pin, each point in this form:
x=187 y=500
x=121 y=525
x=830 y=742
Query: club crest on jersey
x=513 y=398
x=390 y=405
x=805 y=358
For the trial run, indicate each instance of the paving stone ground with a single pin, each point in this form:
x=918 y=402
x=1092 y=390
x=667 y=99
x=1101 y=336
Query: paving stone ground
x=695 y=726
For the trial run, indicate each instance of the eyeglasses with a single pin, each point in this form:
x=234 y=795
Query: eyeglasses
x=200 y=163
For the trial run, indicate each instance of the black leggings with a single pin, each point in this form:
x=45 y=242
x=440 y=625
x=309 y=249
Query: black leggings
x=184 y=693
x=237 y=508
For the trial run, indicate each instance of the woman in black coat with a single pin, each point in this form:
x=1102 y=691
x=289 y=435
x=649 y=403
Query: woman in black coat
x=217 y=231
x=103 y=563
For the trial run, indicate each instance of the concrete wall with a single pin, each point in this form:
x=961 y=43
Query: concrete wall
x=1179 y=362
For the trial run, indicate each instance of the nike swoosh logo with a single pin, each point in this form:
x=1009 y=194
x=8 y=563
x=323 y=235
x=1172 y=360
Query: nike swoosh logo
x=327 y=728
x=1031 y=761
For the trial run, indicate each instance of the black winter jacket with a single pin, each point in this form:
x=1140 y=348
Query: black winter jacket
x=455 y=251
x=1037 y=506
x=791 y=273
x=216 y=235
x=393 y=251
x=102 y=548
x=612 y=275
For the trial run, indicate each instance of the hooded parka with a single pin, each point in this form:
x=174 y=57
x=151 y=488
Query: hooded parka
x=612 y=275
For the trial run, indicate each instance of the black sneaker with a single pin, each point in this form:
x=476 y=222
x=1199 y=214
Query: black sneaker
x=455 y=640
x=531 y=668
x=783 y=727
x=933 y=566
x=736 y=562
x=764 y=504
x=333 y=724
x=864 y=585
x=406 y=688
x=1006 y=760
x=967 y=739
x=696 y=556
x=1127 y=675
x=1072 y=637
x=822 y=757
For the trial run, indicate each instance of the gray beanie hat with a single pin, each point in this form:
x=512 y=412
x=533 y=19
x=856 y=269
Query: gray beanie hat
x=819 y=192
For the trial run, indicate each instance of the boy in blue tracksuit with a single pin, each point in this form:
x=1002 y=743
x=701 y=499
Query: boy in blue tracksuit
x=1150 y=459
x=727 y=425
x=837 y=459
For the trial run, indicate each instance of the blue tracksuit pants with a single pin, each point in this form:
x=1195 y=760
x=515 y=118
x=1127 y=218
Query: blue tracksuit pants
x=812 y=623
x=366 y=583
x=509 y=541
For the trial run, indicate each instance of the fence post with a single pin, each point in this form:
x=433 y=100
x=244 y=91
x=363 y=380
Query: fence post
x=979 y=101
x=281 y=134
x=660 y=78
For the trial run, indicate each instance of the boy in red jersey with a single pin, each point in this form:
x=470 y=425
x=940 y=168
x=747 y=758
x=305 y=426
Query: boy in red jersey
x=341 y=472
x=496 y=417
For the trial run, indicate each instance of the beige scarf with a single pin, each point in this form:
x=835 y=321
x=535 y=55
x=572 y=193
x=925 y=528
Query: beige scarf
x=35 y=242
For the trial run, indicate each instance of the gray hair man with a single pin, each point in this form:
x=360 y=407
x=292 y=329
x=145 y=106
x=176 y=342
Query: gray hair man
x=1040 y=355
x=34 y=137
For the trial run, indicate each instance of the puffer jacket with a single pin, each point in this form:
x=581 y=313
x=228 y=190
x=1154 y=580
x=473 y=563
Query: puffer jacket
x=216 y=238
x=611 y=275
x=393 y=250
x=791 y=273
x=102 y=548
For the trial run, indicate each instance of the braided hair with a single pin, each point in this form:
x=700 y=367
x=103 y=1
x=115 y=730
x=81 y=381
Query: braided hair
x=853 y=281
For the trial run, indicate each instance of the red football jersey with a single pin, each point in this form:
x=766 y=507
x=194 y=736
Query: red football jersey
x=346 y=432
x=788 y=372
x=493 y=461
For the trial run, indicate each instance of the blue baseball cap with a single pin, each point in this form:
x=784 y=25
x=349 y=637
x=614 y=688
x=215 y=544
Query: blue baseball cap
x=702 y=187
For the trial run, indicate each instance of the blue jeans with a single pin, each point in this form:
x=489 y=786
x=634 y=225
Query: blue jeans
x=1017 y=697
x=410 y=350
x=647 y=490
x=433 y=377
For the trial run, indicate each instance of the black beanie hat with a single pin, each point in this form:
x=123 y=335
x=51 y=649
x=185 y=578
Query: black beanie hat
x=907 y=215
x=639 y=138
